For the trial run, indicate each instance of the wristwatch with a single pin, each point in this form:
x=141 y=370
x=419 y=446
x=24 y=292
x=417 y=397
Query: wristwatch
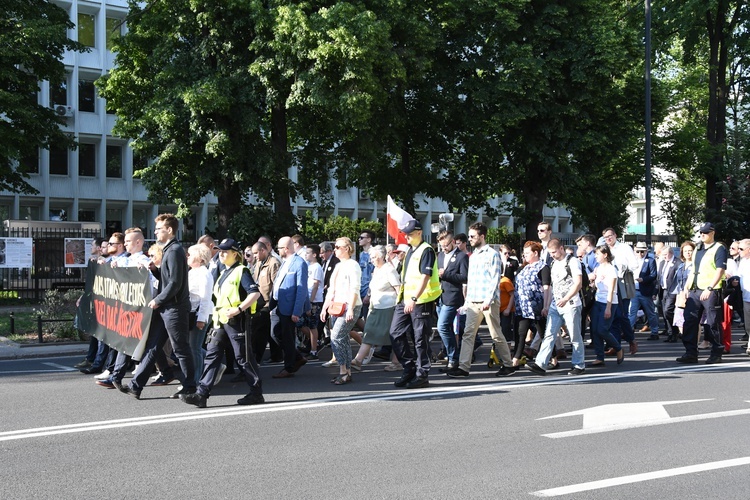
x=413 y=299
x=710 y=288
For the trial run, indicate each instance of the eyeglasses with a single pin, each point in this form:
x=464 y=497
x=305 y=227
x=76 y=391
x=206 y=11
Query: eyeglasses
x=541 y=230
x=363 y=237
x=742 y=249
x=608 y=236
x=114 y=242
x=472 y=236
x=640 y=251
x=249 y=254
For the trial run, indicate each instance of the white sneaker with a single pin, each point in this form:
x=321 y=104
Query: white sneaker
x=220 y=373
x=102 y=376
x=330 y=363
x=369 y=356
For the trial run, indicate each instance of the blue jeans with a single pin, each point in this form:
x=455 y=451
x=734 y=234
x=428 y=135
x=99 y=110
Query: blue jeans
x=647 y=303
x=620 y=327
x=195 y=339
x=600 y=328
x=556 y=318
x=446 y=315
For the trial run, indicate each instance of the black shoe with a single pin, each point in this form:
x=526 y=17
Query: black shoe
x=506 y=371
x=448 y=368
x=457 y=373
x=744 y=338
x=117 y=384
x=670 y=338
x=182 y=392
x=686 y=359
x=536 y=368
x=162 y=380
x=405 y=379
x=91 y=370
x=653 y=337
x=712 y=360
x=577 y=371
x=126 y=389
x=441 y=355
x=418 y=382
x=251 y=399
x=194 y=398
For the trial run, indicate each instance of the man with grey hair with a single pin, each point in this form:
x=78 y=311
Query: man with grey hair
x=743 y=272
x=665 y=277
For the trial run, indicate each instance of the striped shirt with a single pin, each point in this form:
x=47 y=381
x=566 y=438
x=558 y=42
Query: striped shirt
x=484 y=275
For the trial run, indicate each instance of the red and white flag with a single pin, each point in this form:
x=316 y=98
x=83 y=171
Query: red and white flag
x=396 y=219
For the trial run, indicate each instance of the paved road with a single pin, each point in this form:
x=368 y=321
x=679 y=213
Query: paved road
x=646 y=429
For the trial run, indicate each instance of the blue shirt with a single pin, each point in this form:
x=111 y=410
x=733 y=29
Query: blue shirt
x=367 y=267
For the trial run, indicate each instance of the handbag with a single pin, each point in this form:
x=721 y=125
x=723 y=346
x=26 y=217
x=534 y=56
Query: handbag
x=337 y=309
x=626 y=285
x=681 y=299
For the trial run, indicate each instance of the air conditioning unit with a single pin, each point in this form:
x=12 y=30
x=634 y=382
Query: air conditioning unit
x=63 y=110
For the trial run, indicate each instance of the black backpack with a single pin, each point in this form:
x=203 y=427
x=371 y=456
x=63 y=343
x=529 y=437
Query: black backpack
x=587 y=292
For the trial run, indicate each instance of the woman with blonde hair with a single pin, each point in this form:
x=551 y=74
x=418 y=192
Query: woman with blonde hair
x=200 y=286
x=344 y=304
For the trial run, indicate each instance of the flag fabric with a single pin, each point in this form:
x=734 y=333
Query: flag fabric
x=396 y=219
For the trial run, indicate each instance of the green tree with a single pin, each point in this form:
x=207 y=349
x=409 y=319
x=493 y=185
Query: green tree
x=33 y=38
x=555 y=100
x=709 y=31
x=225 y=97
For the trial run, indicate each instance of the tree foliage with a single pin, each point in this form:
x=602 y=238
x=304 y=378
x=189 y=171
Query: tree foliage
x=33 y=38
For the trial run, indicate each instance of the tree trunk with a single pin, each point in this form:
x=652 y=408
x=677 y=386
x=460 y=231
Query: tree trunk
x=534 y=199
x=229 y=204
x=719 y=37
x=281 y=191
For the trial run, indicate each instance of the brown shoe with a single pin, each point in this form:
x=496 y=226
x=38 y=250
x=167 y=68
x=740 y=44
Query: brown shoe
x=283 y=374
x=633 y=347
x=610 y=352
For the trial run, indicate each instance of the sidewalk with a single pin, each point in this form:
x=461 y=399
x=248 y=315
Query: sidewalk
x=14 y=350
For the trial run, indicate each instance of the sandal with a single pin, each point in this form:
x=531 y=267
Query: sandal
x=357 y=365
x=343 y=379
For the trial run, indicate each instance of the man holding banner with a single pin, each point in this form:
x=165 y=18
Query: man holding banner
x=173 y=304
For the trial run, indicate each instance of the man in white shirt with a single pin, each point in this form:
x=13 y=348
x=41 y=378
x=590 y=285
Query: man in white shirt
x=564 y=308
x=624 y=261
x=743 y=271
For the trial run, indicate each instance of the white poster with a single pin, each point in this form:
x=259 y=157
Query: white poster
x=77 y=251
x=16 y=253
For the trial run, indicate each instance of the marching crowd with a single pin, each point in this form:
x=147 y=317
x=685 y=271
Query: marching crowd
x=217 y=305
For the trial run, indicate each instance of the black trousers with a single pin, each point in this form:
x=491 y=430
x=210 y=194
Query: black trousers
x=221 y=338
x=694 y=308
x=417 y=327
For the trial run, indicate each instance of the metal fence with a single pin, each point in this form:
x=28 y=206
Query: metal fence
x=48 y=270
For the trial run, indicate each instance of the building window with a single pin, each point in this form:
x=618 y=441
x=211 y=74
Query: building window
x=28 y=212
x=140 y=162
x=58 y=94
x=114 y=220
x=86 y=96
x=87 y=29
x=114 y=162
x=114 y=30
x=58 y=162
x=640 y=216
x=30 y=162
x=87 y=216
x=87 y=160
x=58 y=214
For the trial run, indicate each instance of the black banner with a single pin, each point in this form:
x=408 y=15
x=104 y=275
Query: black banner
x=114 y=307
